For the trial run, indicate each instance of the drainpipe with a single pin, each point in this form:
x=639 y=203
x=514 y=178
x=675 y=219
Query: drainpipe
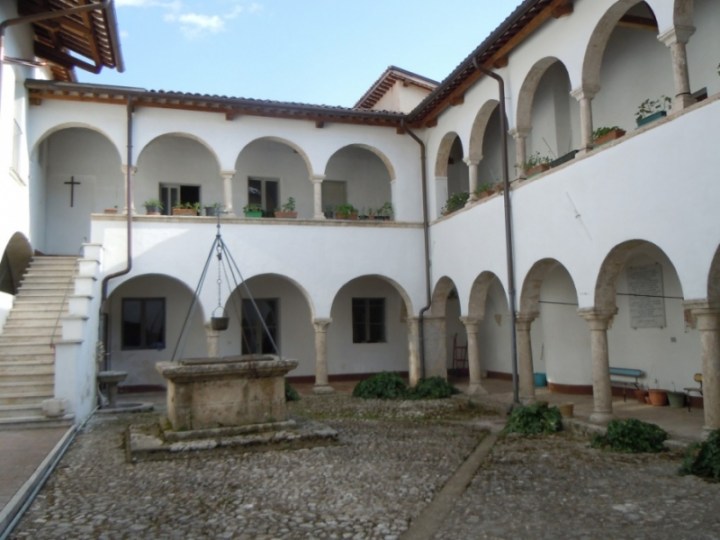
x=508 y=224
x=426 y=236
x=104 y=307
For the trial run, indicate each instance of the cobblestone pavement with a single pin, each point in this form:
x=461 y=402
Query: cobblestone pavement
x=391 y=461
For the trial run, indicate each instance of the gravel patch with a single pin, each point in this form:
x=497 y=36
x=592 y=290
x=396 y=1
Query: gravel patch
x=390 y=463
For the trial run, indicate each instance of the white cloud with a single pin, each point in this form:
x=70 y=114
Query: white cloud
x=194 y=24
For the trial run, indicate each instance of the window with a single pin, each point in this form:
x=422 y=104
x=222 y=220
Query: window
x=255 y=339
x=172 y=194
x=368 y=320
x=265 y=193
x=143 y=323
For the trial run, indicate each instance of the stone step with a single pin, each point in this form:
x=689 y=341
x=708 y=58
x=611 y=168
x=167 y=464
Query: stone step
x=47 y=331
x=10 y=412
x=30 y=376
x=31 y=312
x=25 y=348
x=37 y=323
x=35 y=421
x=7 y=339
x=61 y=282
x=32 y=396
x=23 y=358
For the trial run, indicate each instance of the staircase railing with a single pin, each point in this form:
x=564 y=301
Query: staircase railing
x=61 y=311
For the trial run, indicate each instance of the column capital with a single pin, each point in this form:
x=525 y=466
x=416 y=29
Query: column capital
x=677 y=34
x=227 y=174
x=317 y=178
x=598 y=319
x=124 y=168
x=470 y=162
x=526 y=318
x=470 y=323
x=321 y=325
x=585 y=92
x=519 y=132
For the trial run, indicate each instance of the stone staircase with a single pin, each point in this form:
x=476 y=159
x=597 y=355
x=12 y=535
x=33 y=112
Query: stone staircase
x=27 y=354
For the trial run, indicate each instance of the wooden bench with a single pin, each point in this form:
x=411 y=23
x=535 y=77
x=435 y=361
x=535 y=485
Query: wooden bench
x=625 y=374
x=694 y=389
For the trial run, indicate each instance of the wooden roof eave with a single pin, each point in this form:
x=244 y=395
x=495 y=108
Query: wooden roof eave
x=493 y=53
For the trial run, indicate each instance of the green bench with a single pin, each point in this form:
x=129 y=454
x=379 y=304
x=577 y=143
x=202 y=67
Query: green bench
x=626 y=378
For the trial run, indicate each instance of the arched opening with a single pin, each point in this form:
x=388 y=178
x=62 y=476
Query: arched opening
x=369 y=332
x=268 y=172
x=357 y=176
x=451 y=171
x=146 y=315
x=180 y=171
x=15 y=260
x=703 y=67
x=79 y=173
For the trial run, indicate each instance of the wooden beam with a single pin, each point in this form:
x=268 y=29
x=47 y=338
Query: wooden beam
x=501 y=62
x=563 y=9
x=319 y=124
x=63 y=59
x=639 y=23
x=457 y=100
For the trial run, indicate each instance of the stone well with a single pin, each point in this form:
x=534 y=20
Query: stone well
x=207 y=393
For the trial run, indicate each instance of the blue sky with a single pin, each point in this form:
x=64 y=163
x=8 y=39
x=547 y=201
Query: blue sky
x=311 y=51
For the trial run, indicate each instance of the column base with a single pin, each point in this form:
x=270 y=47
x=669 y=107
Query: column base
x=323 y=389
x=601 y=417
x=528 y=400
x=476 y=389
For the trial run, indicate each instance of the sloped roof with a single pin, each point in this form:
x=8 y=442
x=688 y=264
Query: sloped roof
x=83 y=39
x=387 y=80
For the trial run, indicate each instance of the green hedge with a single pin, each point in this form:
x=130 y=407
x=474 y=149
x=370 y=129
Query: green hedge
x=703 y=459
x=631 y=436
x=392 y=386
x=534 y=419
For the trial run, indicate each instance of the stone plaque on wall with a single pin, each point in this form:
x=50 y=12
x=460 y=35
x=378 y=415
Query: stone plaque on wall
x=647 y=305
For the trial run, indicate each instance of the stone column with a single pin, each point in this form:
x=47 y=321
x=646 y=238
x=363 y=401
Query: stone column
x=213 y=341
x=599 y=322
x=414 y=372
x=317 y=180
x=474 y=367
x=526 y=378
x=473 y=177
x=435 y=334
x=676 y=38
x=441 y=194
x=585 y=97
x=520 y=137
x=133 y=172
x=227 y=177
x=708 y=324
x=321 y=364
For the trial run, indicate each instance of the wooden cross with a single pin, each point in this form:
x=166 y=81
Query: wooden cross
x=72 y=183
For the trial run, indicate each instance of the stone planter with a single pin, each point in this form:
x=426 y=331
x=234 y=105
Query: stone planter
x=253 y=213
x=651 y=118
x=537 y=169
x=283 y=214
x=207 y=393
x=609 y=136
x=676 y=400
x=184 y=212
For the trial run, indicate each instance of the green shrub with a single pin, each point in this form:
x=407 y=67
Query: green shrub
x=381 y=386
x=703 y=459
x=534 y=419
x=432 y=388
x=631 y=436
x=290 y=393
x=455 y=202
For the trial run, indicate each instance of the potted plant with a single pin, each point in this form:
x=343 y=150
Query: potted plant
x=153 y=207
x=287 y=211
x=385 y=212
x=346 y=211
x=652 y=109
x=214 y=209
x=563 y=159
x=253 y=210
x=455 y=202
x=535 y=164
x=605 y=134
x=485 y=190
x=186 y=209
x=113 y=210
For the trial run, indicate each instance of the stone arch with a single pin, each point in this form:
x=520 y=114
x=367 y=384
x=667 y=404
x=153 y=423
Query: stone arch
x=15 y=260
x=479 y=293
x=287 y=142
x=479 y=127
x=440 y=294
x=301 y=289
x=592 y=61
x=182 y=135
x=380 y=155
x=75 y=125
x=526 y=95
x=530 y=292
x=714 y=280
x=614 y=263
x=443 y=155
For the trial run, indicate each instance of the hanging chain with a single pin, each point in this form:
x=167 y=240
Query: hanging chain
x=219 y=275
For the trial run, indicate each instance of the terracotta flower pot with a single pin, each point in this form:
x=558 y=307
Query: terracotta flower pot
x=657 y=398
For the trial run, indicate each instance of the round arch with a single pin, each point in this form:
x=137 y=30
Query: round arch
x=479 y=127
x=479 y=294
x=530 y=292
x=528 y=89
x=286 y=142
x=76 y=125
x=181 y=135
x=15 y=260
x=714 y=280
x=380 y=155
x=443 y=154
x=441 y=292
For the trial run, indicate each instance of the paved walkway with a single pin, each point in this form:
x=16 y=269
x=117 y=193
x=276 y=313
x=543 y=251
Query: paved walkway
x=25 y=453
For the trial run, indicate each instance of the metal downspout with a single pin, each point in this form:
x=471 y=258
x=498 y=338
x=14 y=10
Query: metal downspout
x=509 y=244
x=104 y=308
x=426 y=235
